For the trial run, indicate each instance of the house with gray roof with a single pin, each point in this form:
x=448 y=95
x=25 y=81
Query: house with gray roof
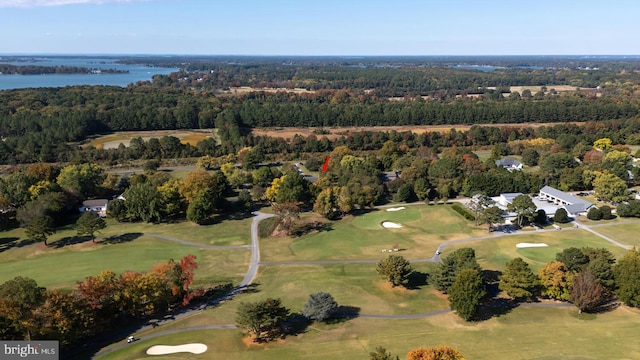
x=98 y=206
x=509 y=164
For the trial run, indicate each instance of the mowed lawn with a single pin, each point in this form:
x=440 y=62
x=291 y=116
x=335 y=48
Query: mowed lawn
x=224 y=232
x=424 y=227
x=125 y=247
x=61 y=268
x=494 y=253
x=625 y=233
x=356 y=285
x=524 y=333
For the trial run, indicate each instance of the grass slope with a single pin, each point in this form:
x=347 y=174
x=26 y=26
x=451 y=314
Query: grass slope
x=68 y=260
x=525 y=333
x=424 y=228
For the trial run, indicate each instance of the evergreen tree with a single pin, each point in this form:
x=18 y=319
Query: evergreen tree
x=321 y=306
x=89 y=223
x=382 y=354
x=627 y=276
x=466 y=292
x=395 y=268
x=262 y=319
x=39 y=228
x=517 y=280
x=452 y=265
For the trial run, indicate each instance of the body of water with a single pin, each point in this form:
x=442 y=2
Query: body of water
x=485 y=68
x=136 y=73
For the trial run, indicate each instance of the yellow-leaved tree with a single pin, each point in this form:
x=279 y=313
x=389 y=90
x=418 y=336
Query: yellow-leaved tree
x=440 y=352
x=272 y=191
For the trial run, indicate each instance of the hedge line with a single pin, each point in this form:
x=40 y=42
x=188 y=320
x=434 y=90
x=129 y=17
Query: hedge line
x=466 y=213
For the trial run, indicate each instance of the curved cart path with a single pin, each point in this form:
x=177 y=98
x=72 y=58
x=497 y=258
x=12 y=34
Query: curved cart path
x=255 y=263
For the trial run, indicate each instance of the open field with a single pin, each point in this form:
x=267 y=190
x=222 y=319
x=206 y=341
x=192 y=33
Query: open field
x=424 y=229
x=524 y=333
x=247 y=89
x=493 y=254
x=558 y=88
x=336 y=132
x=128 y=249
x=112 y=141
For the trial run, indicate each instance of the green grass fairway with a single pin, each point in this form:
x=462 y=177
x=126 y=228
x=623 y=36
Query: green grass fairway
x=52 y=267
x=225 y=232
x=625 y=233
x=525 y=333
x=61 y=267
x=493 y=254
x=353 y=285
x=424 y=228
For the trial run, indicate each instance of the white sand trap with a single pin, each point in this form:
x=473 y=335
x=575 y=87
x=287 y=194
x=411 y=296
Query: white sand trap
x=391 y=225
x=167 y=349
x=396 y=209
x=530 y=245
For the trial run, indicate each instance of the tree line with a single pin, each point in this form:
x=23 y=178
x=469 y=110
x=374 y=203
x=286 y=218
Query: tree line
x=99 y=304
x=8 y=69
x=589 y=278
x=47 y=124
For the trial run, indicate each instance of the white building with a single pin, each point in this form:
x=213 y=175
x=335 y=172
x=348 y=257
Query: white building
x=98 y=206
x=574 y=205
x=509 y=164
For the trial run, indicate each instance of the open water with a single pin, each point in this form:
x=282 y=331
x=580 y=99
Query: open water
x=136 y=73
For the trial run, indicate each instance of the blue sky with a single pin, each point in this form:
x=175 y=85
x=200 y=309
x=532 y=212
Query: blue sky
x=327 y=27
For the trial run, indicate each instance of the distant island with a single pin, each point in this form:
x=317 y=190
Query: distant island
x=7 y=69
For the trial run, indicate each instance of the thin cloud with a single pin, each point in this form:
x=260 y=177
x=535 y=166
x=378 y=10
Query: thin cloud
x=41 y=3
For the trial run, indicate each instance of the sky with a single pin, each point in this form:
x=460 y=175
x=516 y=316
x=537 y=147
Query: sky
x=326 y=27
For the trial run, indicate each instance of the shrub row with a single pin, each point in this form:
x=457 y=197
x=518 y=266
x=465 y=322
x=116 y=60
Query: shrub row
x=466 y=213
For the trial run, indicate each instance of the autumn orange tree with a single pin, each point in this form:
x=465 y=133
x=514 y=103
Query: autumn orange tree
x=440 y=352
x=98 y=304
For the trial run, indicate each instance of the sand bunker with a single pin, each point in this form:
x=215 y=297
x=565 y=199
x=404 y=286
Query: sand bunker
x=530 y=245
x=391 y=225
x=396 y=209
x=166 y=349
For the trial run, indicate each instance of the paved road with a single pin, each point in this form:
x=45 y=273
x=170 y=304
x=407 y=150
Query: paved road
x=248 y=278
x=255 y=249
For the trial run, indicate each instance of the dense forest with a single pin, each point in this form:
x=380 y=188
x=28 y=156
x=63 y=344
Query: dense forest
x=48 y=124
